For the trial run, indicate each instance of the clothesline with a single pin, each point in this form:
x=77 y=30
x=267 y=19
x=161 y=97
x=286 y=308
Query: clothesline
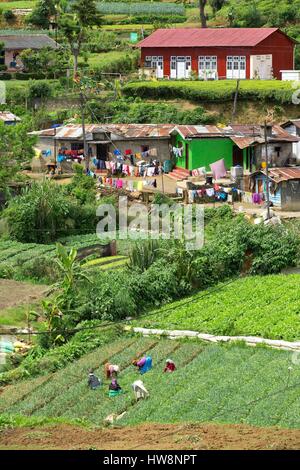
x=129 y=185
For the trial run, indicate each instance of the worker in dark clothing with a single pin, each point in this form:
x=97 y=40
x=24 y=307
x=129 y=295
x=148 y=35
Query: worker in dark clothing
x=93 y=381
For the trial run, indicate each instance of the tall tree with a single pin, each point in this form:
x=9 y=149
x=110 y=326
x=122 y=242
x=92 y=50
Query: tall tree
x=16 y=146
x=75 y=23
x=216 y=5
x=42 y=13
x=202 y=5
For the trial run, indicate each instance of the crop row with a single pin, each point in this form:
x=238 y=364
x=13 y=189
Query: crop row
x=65 y=378
x=230 y=383
x=14 y=394
x=77 y=400
x=143 y=8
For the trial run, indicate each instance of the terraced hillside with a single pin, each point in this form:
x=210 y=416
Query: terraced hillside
x=215 y=383
x=266 y=306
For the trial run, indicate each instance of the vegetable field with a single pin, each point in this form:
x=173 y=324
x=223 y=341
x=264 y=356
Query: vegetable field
x=221 y=91
x=222 y=384
x=266 y=306
x=17 y=259
x=142 y=8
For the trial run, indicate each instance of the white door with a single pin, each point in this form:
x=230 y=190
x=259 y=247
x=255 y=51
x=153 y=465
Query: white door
x=261 y=66
x=173 y=65
x=181 y=69
x=160 y=70
x=236 y=67
x=157 y=63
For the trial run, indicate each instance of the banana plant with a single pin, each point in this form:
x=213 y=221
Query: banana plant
x=70 y=269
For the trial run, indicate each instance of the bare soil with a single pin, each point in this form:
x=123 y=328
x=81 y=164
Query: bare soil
x=151 y=437
x=14 y=293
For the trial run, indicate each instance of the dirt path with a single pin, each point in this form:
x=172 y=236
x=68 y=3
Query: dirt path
x=13 y=293
x=153 y=437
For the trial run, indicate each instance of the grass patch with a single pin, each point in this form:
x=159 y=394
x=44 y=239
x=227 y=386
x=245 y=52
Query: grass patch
x=26 y=4
x=15 y=316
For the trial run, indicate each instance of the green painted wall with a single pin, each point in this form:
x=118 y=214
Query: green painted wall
x=203 y=152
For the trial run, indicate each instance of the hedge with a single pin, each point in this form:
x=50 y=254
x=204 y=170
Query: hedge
x=221 y=91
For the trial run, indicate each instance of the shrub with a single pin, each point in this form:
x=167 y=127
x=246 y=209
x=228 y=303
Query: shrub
x=39 y=214
x=9 y=16
x=221 y=91
x=5 y=76
x=82 y=187
x=41 y=90
x=43 y=268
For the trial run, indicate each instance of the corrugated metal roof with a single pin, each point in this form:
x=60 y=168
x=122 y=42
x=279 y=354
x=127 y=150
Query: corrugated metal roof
x=243 y=142
x=282 y=174
x=7 y=116
x=242 y=135
x=27 y=41
x=125 y=131
x=208 y=37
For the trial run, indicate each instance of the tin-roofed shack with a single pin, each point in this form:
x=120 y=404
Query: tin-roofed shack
x=104 y=139
x=284 y=185
x=293 y=128
x=9 y=118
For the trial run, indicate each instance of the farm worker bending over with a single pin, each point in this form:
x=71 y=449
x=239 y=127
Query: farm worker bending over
x=144 y=364
x=114 y=388
x=93 y=381
x=111 y=370
x=170 y=366
x=140 y=392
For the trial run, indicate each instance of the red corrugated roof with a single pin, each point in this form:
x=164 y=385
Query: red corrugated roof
x=207 y=37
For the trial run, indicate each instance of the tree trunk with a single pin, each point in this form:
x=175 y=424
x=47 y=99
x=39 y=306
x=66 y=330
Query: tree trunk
x=202 y=5
x=76 y=55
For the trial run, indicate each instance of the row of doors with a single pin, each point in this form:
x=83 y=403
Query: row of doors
x=181 y=67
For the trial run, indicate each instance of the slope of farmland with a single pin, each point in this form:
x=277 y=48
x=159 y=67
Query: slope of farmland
x=266 y=306
x=221 y=384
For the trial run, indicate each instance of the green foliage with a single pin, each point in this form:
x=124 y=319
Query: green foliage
x=41 y=90
x=70 y=269
x=102 y=41
x=143 y=254
x=9 y=16
x=82 y=187
x=160 y=198
x=45 y=211
x=221 y=91
x=139 y=112
x=74 y=24
x=15 y=146
x=38 y=269
x=42 y=13
x=260 y=306
x=37 y=261
x=115 y=62
x=46 y=61
x=39 y=214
